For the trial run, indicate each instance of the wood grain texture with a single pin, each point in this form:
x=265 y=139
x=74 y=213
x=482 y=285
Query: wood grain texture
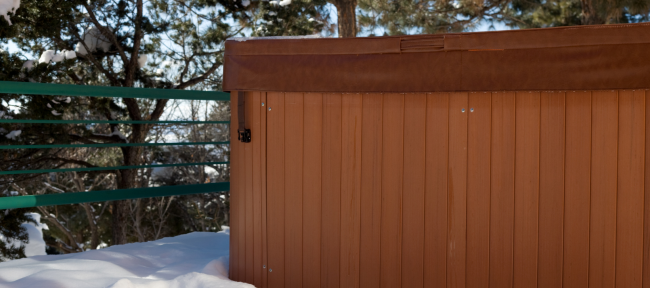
x=392 y=185
x=457 y=191
x=371 y=165
x=415 y=106
x=631 y=165
x=435 y=202
x=331 y=192
x=646 y=201
x=502 y=189
x=602 y=230
x=257 y=113
x=313 y=119
x=249 y=213
x=293 y=189
x=276 y=190
x=263 y=163
x=234 y=189
x=350 y=188
x=478 y=189
x=577 y=189
x=527 y=137
x=551 y=190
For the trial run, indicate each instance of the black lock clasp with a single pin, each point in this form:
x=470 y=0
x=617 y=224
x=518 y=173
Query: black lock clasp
x=244 y=136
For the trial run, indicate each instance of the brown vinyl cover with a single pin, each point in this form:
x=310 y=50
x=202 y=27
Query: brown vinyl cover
x=581 y=57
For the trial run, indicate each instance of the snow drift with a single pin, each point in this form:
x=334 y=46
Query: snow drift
x=194 y=260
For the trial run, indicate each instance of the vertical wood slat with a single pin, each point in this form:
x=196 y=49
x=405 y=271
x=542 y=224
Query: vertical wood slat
x=392 y=185
x=234 y=189
x=276 y=189
x=415 y=106
x=551 y=190
x=527 y=139
x=435 y=212
x=263 y=163
x=371 y=190
x=241 y=204
x=331 y=191
x=629 y=215
x=502 y=189
x=293 y=153
x=602 y=230
x=351 y=124
x=250 y=230
x=257 y=112
x=478 y=189
x=313 y=119
x=646 y=200
x=577 y=189
x=457 y=191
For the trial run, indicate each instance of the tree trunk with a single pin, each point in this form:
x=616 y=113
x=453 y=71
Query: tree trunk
x=347 y=17
x=589 y=14
x=127 y=179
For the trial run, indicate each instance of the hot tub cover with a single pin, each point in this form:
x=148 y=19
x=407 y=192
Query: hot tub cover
x=564 y=58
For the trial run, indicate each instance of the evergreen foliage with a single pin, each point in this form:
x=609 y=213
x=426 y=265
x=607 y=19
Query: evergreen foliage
x=13 y=234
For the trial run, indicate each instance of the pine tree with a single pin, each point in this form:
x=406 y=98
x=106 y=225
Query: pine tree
x=12 y=234
x=552 y=13
x=184 y=38
x=427 y=16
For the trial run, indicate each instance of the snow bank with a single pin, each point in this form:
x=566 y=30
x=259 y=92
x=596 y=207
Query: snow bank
x=36 y=245
x=7 y=6
x=195 y=260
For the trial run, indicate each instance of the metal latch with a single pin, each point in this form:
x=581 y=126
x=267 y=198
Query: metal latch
x=244 y=136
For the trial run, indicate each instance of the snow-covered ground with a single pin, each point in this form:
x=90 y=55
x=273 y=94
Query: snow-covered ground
x=194 y=260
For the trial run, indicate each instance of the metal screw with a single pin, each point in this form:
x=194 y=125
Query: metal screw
x=471 y=109
x=264 y=266
x=269 y=108
x=270 y=270
x=462 y=110
x=262 y=103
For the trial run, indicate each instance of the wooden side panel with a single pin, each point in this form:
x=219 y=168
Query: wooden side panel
x=371 y=165
x=577 y=189
x=276 y=190
x=435 y=202
x=551 y=190
x=350 y=189
x=250 y=236
x=234 y=190
x=293 y=153
x=646 y=201
x=331 y=191
x=527 y=135
x=392 y=185
x=457 y=190
x=257 y=112
x=311 y=209
x=502 y=189
x=478 y=189
x=629 y=217
x=263 y=141
x=415 y=106
x=602 y=231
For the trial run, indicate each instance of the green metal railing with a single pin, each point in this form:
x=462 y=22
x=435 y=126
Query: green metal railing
x=107 y=195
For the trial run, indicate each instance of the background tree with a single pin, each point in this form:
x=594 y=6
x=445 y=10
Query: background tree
x=553 y=13
x=427 y=16
x=12 y=234
x=111 y=39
